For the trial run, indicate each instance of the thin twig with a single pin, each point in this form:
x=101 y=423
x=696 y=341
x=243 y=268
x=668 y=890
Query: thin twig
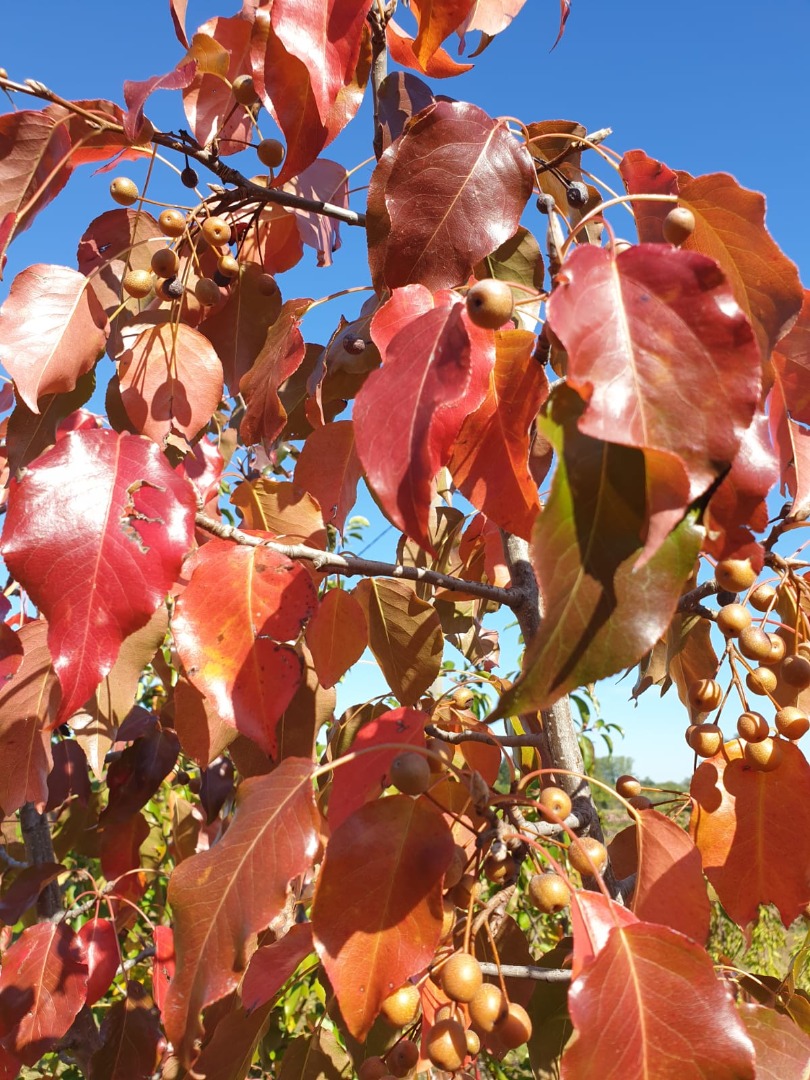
x=527 y=971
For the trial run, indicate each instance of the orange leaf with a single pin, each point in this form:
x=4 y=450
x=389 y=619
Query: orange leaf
x=284 y=509
x=329 y=468
x=337 y=635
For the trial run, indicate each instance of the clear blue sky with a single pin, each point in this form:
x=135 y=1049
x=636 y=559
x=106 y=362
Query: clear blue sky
x=717 y=86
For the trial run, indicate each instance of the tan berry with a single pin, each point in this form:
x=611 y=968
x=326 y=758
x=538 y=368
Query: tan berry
x=444 y=753
x=795 y=671
x=587 y=855
x=124 y=191
x=765 y=755
x=401 y=1007
x=515 y=1028
x=270 y=153
x=410 y=773
x=216 y=231
x=763 y=597
x=555 y=802
x=473 y=1043
x=733 y=618
x=490 y=304
x=244 y=91
x=735 y=575
x=501 y=871
x=778 y=650
x=461 y=977
x=679 y=224
x=402 y=1057
x=228 y=266
x=761 y=681
x=446 y=1045
x=462 y=696
x=487 y=1007
x=791 y=722
x=705 y=694
x=628 y=787
x=172 y=223
x=549 y=893
x=706 y=739
x=755 y=644
x=752 y=726
x=137 y=283
x=165 y=262
x=207 y=292
x=640 y=802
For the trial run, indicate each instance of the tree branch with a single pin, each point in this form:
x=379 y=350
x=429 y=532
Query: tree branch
x=527 y=971
x=351 y=565
x=378 y=19
x=36 y=832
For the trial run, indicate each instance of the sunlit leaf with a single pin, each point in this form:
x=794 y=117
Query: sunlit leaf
x=436 y=19
x=782 y=1048
x=286 y=510
x=328 y=467
x=103 y=956
x=400 y=45
x=210 y=107
x=271 y=966
x=337 y=635
x=280 y=356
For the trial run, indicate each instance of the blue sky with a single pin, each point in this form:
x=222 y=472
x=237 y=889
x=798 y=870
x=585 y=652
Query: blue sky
x=705 y=87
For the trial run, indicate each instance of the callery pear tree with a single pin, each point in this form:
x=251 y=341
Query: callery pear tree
x=207 y=871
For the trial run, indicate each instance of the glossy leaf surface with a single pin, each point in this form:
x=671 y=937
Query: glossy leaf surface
x=373 y=931
x=103 y=956
x=222 y=898
x=96 y=530
x=782 y=1048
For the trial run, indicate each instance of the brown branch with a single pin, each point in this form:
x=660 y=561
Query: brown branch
x=526 y=971
x=36 y=832
x=351 y=565
x=207 y=158
x=378 y=19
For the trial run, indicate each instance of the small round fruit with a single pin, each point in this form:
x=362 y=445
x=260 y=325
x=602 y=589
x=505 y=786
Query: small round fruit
x=627 y=786
x=587 y=855
x=764 y=755
x=679 y=224
x=461 y=977
x=222 y=281
x=791 y=722
x=124 y=191
x=446 y=1045
x=640 y=802
x=402 y=1057
x=467 y=891
x=515 y=1028
x=228 y=266
x=761 y=681
x=763 y=597
x=410 y=773
x=172 y=223
x=576 y=194
x=216 y=231
x=244 y=91
x=401 y=1007
x=266 y=285
x=705 y=694
x=473 y=1043
x=354 y=346
x=455 y=871
x=732 y=619
x=373 y=1068
x=555 y=802
x=207 y=292
x=270 y=152
x=734 y=574
x=165 y=262
x=706 y=740
x=795 y=671
x=755 y=643
x=444 y=751
x=490 y=304
x=487 y=1007
x=778 y=649
x=137 y=283
x=545 y=203
x=169 y=288
x=462 y=696
x=189 y=178
x=549 y=893
x=752 y=726
x=501 y=871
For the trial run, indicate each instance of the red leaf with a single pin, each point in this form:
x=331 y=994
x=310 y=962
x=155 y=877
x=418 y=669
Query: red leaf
x=437 y=19
x=644 y=175
x=440 y=66
x=355 y=782
x=281 y=355
x=171 y=381
x=490 y=461
x=134 y=777
x=222 y=898
x=326 y=36
x=490 y=17
x=23 y=892
x=272 y=965
x=641 y=331
x=669 y=885
x=782 y=1048
x=52 y=331
x=31 y=149
x=112 y=244
x=11 y=653
x=460 y=155
x=43 y=984
x=68 y=777
x=593 y=916
x=329 y=469
x=88 y=143
x=103 y=956
x=163 y=965
x=752 y=829
x=793 y=444
x=130 y=1038
x=241 y=601
x=136 y=93
x=651 y=1005
x=177 y=10
x=28 y=707
x=791 y=362
x=97 y=512
x=337 y=635
x=211 y=109
x=435 y=367
x=374 y=931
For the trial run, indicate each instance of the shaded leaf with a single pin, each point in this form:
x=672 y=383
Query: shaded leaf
x=130 y=1037
x=323 y=181
x=328 y=467
x=404 y=634
x=782 y=1048
x=68 y=777
x=602 y=610
x=228 y=1054
x=11 y=653
x=223 y=897
x=112 y=244
x=171 y=381
x=364 y=778
x=490 y=459
x=24 y=890
x=752 y=829
x=134 y=776
x=30 y=433
x=241 y=601
x=315 y=1057
x=435 y=179
x=337 y=635
x=163 y=964
x=271 y=966
x=281 y=355
x=435 y=366
x=203 y=734
x=43 y=984
x=211 y=109
x=401 y=95
x=372 y=932
x=624 y=1004
x=97 y=509
x=52 y=331
x=791 y=362
x=669 y=885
